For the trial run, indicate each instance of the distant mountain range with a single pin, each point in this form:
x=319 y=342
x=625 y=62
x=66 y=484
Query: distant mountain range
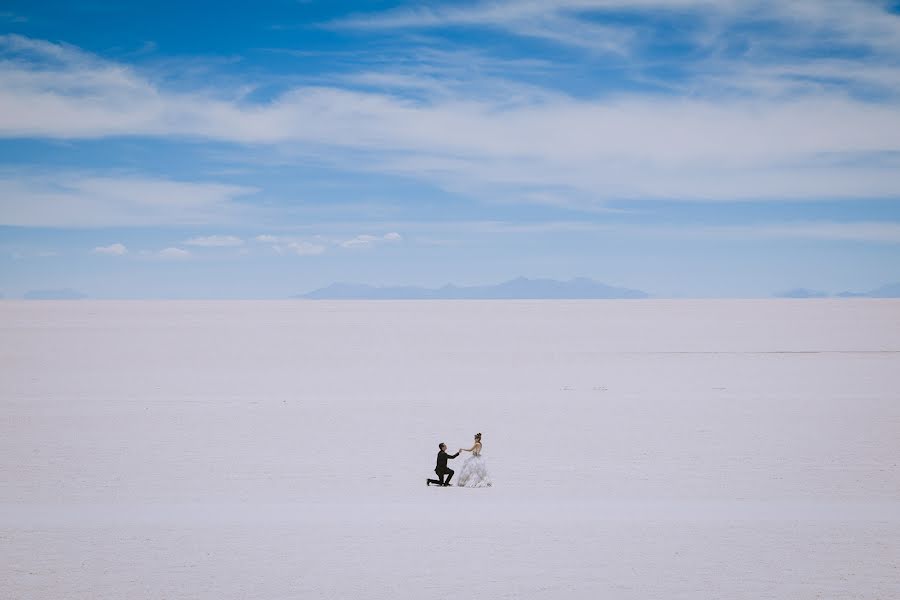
x=521 y=288
x=514 y=289
x=891 y=290
x=801 y=293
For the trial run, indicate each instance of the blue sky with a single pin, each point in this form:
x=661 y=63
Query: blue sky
x=260 y=150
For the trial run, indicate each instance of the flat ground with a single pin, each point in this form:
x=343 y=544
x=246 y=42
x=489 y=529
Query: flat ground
x=640 y=449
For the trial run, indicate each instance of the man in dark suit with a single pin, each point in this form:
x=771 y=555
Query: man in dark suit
x=442 y=469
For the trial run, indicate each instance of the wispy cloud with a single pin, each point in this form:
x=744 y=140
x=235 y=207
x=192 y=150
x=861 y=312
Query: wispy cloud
x=302 y=248
x=318 y=244
x=550 y=21
x=215 y=241
x=739 y=130
x=886 y=232
x=292 y=245
x=583 y=23
x=864 y=231
x=173 y=253
x=11 y=17
x=87 y=200
x=116 y=249
x=21 y=255
x=368 y=241
x=879 y=232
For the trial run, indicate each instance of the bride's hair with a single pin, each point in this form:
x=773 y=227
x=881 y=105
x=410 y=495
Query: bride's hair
x=477 y=436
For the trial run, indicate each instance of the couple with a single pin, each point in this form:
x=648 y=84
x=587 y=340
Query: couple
x=474 y=471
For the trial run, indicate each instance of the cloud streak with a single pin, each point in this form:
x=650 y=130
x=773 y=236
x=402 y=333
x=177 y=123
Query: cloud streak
x=111 y=250
x=86 y=200
x=215 y=241
x=173 y=253
x=319 y=244
x=883 y=232
x=709 y=23
x=739 y=130
x=369 y=241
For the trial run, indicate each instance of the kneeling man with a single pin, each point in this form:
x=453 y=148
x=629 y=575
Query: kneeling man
x=442 y=469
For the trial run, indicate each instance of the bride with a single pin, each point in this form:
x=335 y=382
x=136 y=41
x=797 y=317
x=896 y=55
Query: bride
x=474 y=471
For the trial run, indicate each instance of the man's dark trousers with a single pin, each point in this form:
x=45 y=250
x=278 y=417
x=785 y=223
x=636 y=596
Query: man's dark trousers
x=440 y=480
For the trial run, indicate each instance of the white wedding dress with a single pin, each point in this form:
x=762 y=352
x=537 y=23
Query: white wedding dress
x=474 y=473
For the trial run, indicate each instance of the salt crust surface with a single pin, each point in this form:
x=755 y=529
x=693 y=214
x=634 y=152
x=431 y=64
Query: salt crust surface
x=639 y=449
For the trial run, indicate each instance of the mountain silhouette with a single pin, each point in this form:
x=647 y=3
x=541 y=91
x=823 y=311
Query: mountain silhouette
x=520 y=288
x=891 y=290
x=801 y=293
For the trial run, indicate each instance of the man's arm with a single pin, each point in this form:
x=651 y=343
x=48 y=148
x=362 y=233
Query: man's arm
x=454 y=455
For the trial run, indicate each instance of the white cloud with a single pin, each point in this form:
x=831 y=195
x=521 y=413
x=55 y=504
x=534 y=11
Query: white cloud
x=292 y=245
x=782 y=137
x=173 y=254
x=368 y=241
x=111 y=250
x=319 y=244
x=551 y=20
x=86 y=200
x=863 y=24
x=360 y=241
x=304 y=248
x=833 y=231
x=212 y=241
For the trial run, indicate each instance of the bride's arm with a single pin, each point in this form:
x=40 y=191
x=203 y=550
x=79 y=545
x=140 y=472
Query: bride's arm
x=467 y=449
